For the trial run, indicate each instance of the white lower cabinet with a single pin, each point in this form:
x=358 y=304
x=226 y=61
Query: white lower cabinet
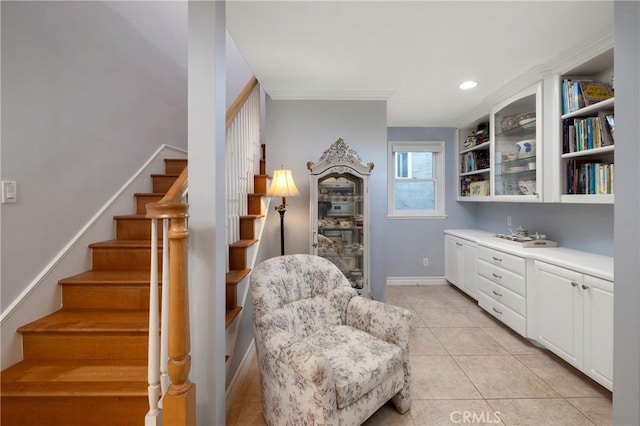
x=573 y=317
x=461 y=266
x=502 y=287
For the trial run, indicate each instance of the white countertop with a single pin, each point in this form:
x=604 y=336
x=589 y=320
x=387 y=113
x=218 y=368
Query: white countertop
x=587 y=263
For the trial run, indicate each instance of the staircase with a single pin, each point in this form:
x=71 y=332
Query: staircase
x=238 y=251
x=86 y=364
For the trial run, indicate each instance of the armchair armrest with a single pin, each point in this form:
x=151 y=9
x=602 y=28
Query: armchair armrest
x=297 y=380
x=387 y=322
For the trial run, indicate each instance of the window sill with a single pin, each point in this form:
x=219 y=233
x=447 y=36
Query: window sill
x=403 y=217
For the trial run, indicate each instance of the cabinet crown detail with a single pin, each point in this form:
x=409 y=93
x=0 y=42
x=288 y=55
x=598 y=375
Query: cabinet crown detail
x=340 y=155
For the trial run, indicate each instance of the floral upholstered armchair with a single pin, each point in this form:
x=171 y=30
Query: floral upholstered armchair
x=326 y=356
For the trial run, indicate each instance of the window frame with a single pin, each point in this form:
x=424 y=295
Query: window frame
x=438 y=149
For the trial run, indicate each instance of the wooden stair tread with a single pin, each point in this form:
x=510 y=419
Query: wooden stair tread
x=115 y=277
x=231 y=314
x=149 y=194
x=75 y=378
x=90 y=321
x=132 y=217
x=234 y=277
x=252 y=216
x=243 y=243
x=124 y=244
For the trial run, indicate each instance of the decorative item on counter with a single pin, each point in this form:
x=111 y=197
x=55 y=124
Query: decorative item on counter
x=519 y=231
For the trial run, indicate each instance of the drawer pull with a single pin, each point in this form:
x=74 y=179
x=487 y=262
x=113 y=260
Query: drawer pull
x=496 y=276
x=497 y=294
x=584 y=287
x=497 y=259
x=574 y=284
x=497 y=311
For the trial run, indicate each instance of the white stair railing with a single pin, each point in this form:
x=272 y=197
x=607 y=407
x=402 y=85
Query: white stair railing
x=243 y=154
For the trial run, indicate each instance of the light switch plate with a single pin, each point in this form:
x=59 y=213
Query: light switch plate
x=9 y=191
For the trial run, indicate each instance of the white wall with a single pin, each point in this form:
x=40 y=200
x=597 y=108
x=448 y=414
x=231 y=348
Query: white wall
x=300 y=131
x=86 y=99
x=237 y=72
x=626 y=370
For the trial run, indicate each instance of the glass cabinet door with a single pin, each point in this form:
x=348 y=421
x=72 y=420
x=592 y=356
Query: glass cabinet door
x=516 y=150
x=340 y=219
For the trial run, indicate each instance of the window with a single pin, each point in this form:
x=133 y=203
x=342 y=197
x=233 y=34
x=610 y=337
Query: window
x=416 y=179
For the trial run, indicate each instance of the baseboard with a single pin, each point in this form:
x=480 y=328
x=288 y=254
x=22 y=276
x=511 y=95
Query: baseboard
x=417 y=281
x=42 y=295
x=240 y=374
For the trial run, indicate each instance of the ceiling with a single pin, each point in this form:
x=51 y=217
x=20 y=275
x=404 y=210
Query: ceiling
x=413 y=54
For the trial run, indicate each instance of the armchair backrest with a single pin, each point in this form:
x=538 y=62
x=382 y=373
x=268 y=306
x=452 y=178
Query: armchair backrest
x=299 y=293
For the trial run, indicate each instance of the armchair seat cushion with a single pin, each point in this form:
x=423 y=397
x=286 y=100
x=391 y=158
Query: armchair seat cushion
x=360 y=361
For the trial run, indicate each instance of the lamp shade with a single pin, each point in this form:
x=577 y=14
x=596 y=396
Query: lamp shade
x=282 y=184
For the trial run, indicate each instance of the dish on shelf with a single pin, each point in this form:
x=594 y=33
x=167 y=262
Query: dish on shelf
x=518 y=120
x=527 y=186
x=527 y=122
x=517 y=169
x=527 y=146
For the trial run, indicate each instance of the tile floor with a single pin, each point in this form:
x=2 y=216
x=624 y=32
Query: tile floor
x=465 y=363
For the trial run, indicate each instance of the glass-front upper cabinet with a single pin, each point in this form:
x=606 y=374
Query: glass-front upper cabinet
x=517 y=148
x=340 y=212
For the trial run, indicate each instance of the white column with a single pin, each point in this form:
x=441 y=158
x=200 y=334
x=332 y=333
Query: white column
x=626 y=339
x=206 y=141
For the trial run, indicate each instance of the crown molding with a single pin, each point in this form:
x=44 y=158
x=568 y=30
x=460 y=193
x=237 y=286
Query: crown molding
x=365 y=95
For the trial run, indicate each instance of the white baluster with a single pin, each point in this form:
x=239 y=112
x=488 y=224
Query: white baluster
x=153 y=369
x=164 y=333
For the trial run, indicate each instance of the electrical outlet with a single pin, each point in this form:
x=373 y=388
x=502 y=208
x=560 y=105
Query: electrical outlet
x=509 y=221
x=425 y=261
x=9 y=191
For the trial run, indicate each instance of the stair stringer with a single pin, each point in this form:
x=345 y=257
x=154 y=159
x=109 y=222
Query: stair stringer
x=43 y=295
x=244 y=321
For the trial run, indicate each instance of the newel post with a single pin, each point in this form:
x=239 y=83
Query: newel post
x=179 y=403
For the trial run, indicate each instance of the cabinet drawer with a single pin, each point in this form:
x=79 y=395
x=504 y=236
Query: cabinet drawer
x=500 y=276
x=517 y=322
x=508 y=298
x=504 y=260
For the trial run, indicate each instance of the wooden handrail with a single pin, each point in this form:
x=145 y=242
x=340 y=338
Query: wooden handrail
x=178 y=189
x=236 y=106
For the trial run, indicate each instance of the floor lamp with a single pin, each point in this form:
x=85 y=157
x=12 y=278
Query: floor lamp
x=282 y=185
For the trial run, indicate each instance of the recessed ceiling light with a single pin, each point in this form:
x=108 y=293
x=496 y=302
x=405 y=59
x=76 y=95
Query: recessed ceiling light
x=468 y=84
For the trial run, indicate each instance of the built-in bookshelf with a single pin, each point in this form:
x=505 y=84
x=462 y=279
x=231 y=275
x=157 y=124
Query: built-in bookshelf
x=588 y=132
x=474 y=161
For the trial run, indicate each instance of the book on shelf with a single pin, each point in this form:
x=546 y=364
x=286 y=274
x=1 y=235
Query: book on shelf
x=571 y=100
x=594 y=91
x=473 y=161
x=578 y=93
x=589 y=177
x=580 y=134
x=465 y=184
x=611 y=123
